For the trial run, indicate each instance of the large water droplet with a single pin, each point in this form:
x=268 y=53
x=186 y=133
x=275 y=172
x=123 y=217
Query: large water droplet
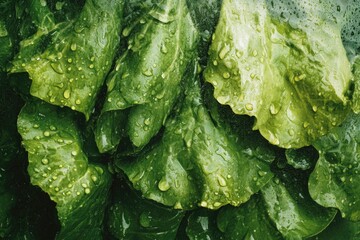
x=163 y=185
x=67 y=93
x=221 y=181
x=145 y=219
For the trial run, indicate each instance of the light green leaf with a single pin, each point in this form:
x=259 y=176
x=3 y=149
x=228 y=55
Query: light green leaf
x=283 y=72
x=60 y=168
x=147 y=76
x=199 y=161
x=356 y=94
x=335 y=181
x=69 y=64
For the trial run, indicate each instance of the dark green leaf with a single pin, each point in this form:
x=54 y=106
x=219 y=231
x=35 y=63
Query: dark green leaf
x=197 y=161
x=134 y=218
x=248 y=221
x=335 y=181
x=202 y=224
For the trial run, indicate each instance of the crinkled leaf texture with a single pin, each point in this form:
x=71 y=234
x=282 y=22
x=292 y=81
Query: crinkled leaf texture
x=147 y=77
x=60 y=168
x=284 y=209
x=68 y=62
x=335 y=181
x=198 y=161
x=282 y=72
x=133 y=217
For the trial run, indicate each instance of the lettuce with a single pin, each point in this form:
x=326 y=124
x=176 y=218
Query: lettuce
x=179 y=119
x=146 y=79
x=68 y=61
x=283 y=73
x=58 y=165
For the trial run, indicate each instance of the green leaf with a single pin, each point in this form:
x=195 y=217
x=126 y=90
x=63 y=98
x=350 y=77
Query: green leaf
x=291 y=208
x=147 y=77
x=60 y=168
x=198 y=161
x=282 y=71
x=133 y=217
x=356 y=94
x=248 y=221
x=201 y=224
x=5 y=46
x=69 y=64
x=303 y=158
x=335 y=181
x=340 y=228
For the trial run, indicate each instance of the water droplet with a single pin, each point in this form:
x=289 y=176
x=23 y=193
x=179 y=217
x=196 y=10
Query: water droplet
x=221 y=181
x=145 y=219
x=306 y=124
x=164 y=49
x=254 y=53
x=91 y=66
x=99 y=170
x=299 y=77
x=84 y=185
x=249 y=107
x=67 y=93
x=224 y=51
x=148 y=72
x=203 y=203
x=36 y=126
x=44 y=161
x=262 y=173
x=46 y=133
x=226 y=75
x=314 y=108
x=87 y=190
x=163 y=185
x=273 y=109
x=57 y=68
x=291 y=132
x=78 y=101
x=215 y=63
x=147 y=121
x=73 y=46
x=94 y=178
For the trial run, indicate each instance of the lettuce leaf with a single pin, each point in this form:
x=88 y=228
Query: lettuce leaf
x=60 y=168
x=133 y=217
x=288 y=204
x=146 y=79
x=335 y=181
x=199 y=161
x=283 y=72
x=68 y=61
